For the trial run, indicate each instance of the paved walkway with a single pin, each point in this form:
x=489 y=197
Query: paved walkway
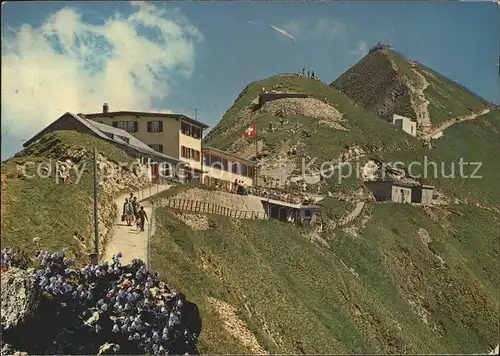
x=128 y=239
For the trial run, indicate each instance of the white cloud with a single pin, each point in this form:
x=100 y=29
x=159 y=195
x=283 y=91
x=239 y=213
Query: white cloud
x=67 y=64
x=328 y=27
x=361 y=49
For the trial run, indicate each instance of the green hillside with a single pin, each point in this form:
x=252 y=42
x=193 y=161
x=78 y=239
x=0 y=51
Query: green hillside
x=383 y=80
x=427 y=276
x=421 y=287
x=37 y=206
x=326 y=143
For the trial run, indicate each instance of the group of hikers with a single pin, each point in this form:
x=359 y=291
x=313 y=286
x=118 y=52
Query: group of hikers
x=133 y=211
x=310 y=74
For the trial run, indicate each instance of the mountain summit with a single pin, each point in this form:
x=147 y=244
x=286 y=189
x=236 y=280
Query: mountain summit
x=387 y=83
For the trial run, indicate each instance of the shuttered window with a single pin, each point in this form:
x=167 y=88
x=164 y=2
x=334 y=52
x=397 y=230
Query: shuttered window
x=129 y=126
x=155 y=126
x=190 y=153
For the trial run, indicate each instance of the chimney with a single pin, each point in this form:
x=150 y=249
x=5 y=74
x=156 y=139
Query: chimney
x=105 y=108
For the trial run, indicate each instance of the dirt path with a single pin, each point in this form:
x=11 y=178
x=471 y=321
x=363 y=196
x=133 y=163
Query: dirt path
x=235 y=326
x=421 y=103
x=127 y=239
x=435 y=133
x=353 y=214
x=417 y=97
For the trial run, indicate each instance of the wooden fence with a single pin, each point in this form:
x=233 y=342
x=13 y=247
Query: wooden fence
x=209 y=208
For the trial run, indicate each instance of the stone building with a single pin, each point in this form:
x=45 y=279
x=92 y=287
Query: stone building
x=404 y=123
x=399 y=192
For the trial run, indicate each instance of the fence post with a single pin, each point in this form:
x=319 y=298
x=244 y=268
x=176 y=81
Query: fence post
x=150 y=227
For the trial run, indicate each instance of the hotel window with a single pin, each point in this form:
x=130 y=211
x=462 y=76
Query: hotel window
x=224 y=164
x=244 y=170
x=157 y=147
x=129 y=126
x=185 y=128
x=196 y=132
x=189 y=153
x=190 y=130
x=234 y=167
x=155 y=126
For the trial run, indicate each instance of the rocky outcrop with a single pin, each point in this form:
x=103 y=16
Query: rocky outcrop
x=18 y=296
x=306 y=107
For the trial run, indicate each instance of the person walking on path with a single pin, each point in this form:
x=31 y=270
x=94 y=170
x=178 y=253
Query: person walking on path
x=143 y=216
x=128 y=211
x=135 y=205
x=124 y=212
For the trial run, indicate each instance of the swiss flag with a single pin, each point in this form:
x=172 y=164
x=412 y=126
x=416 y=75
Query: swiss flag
x=251 y=131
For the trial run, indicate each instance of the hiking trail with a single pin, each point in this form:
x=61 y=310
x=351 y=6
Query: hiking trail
x=127 y=239
x=437 y=132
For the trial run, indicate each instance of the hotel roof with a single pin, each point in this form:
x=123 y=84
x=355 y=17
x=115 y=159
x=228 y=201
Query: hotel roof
x=147 y=114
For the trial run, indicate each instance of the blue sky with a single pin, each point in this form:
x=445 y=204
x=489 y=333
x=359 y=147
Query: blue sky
x=177 y=56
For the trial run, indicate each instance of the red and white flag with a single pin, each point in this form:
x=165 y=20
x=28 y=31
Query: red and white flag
x=251 y=131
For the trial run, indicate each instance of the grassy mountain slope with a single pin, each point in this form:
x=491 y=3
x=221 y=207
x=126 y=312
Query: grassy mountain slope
x=38 y=207
x=427 y=276
x=422 y=287
x=386 y=83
